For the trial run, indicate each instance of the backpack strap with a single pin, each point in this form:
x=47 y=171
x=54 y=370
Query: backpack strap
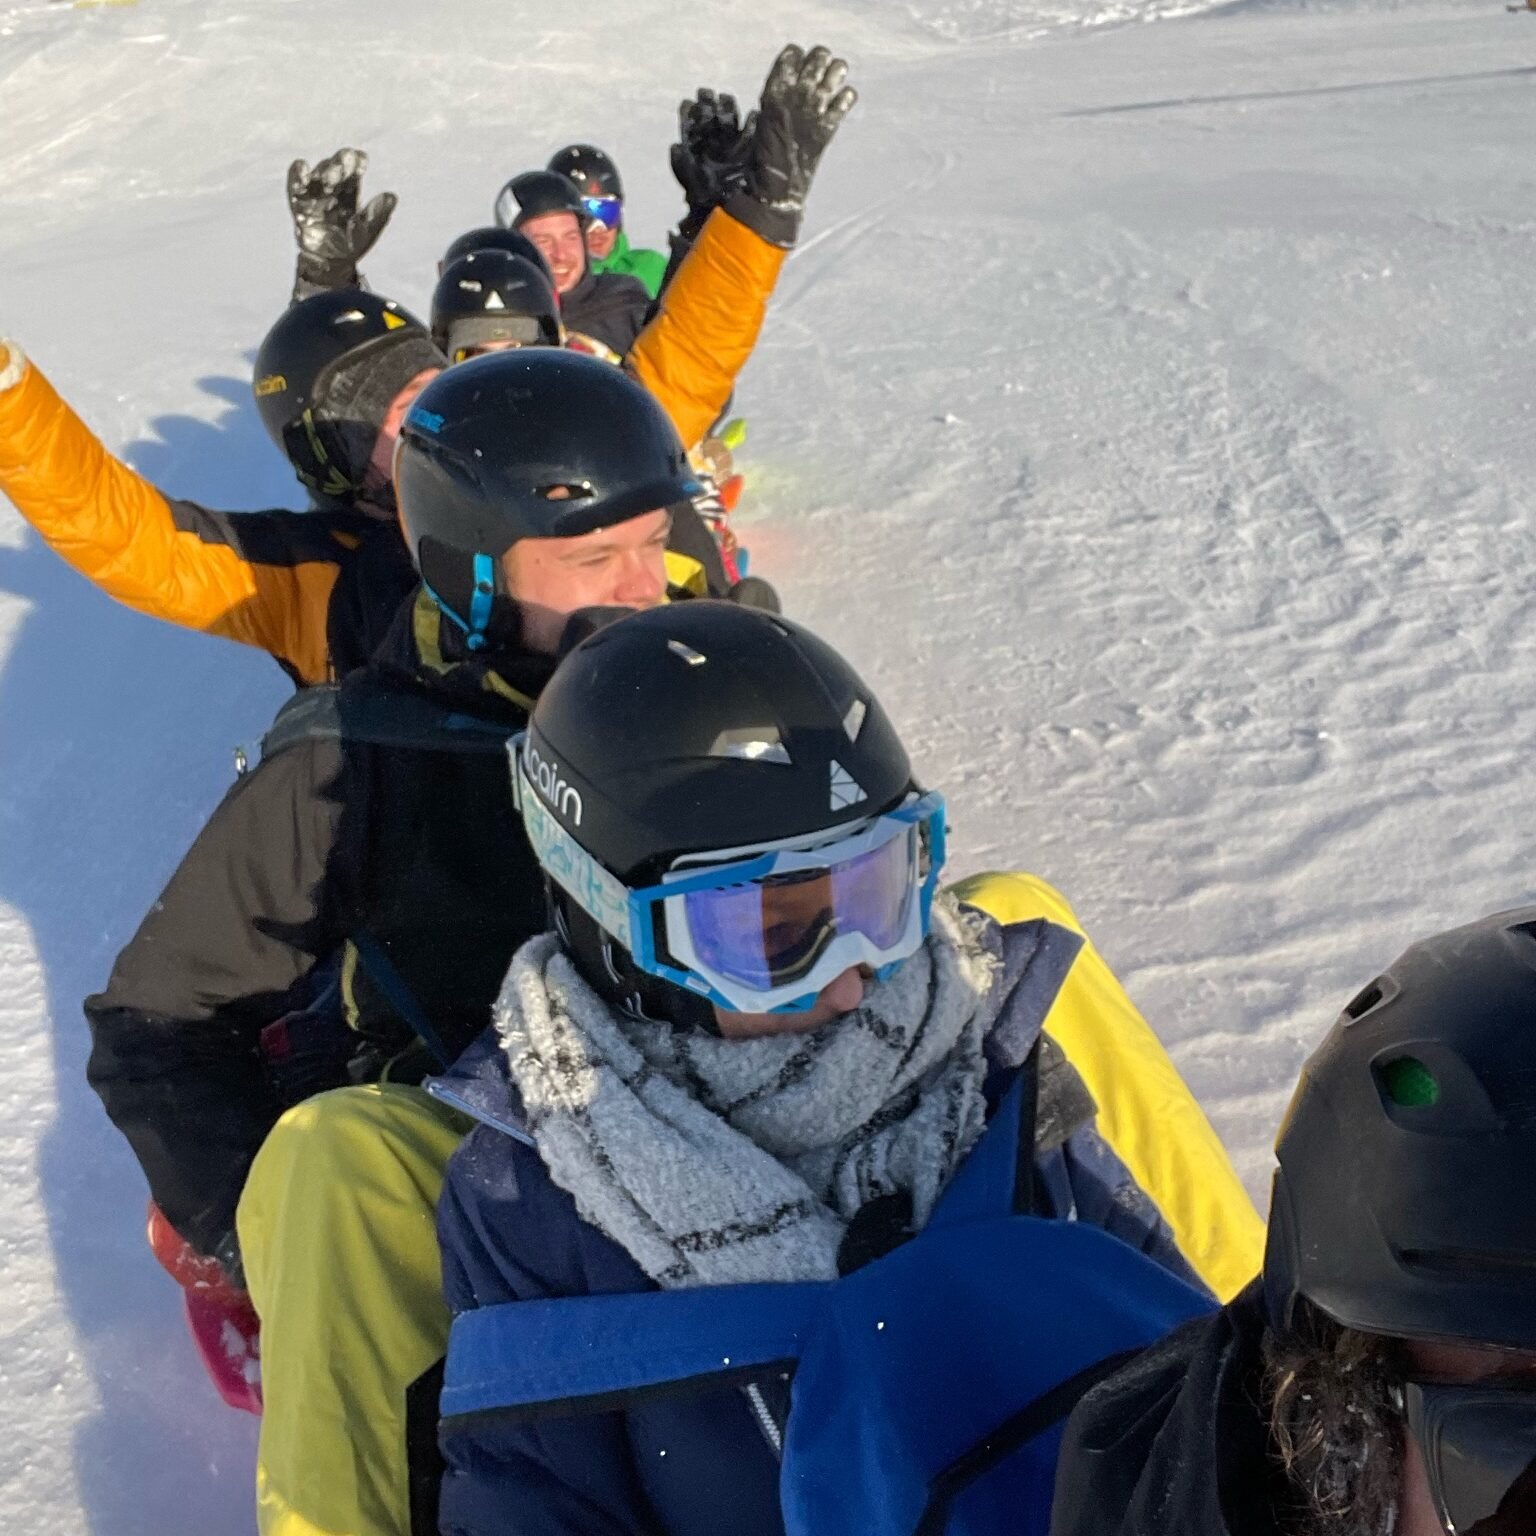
x=591 y=1354
x=1046 y=1102
x=385 y=975
x=369 y=709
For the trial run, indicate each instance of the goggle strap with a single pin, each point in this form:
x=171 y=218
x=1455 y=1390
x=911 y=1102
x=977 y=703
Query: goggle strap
x=602 y=896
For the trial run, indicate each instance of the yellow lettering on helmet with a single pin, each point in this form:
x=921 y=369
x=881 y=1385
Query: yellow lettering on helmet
x=273 y=384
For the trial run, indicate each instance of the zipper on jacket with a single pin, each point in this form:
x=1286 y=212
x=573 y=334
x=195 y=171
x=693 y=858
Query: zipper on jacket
x=765 y=1422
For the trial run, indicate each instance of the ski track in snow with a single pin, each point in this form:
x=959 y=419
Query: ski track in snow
x=1146 y=411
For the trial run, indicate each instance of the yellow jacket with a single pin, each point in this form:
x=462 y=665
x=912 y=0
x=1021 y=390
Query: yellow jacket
x=1146 y=1113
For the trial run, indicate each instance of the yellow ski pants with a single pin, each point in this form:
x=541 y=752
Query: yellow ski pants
x=337 y=1229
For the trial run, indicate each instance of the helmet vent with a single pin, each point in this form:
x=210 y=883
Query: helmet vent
x=687 y=652
x=853 y=721
x=580 y=490
x=752 y=744
x=1467 y=1261
x=1363 y=1004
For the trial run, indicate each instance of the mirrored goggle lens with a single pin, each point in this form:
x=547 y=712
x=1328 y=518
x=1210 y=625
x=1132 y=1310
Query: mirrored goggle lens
x=1479 y=1443
x=769 y=932
x=606 y=210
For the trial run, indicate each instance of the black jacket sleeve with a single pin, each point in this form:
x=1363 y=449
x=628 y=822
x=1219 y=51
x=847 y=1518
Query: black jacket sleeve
x=175 y=1036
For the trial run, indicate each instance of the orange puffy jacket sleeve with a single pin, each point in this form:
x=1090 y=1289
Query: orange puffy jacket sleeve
x=691 y=351
x=169 y=559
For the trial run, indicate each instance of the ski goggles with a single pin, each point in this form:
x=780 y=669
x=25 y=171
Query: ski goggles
x=473 y=334
x=763 y=929
x=1479 y=1446
x=608 y=211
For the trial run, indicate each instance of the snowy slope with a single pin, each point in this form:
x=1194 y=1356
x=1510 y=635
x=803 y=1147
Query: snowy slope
x=1148 y=413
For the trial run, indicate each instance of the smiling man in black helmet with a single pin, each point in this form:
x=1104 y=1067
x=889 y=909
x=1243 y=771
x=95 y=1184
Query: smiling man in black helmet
x=1380 y=1380
x=597 y=178
x=547 y=207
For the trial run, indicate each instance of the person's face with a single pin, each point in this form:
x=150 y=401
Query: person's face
x=840 y=995
x=1458 y=1364
x=558 y=238
x=600 y=239
x=619 y=567
x=376 y=495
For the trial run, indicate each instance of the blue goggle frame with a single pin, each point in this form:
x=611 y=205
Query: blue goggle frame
x=630 y=916
x=608 y=211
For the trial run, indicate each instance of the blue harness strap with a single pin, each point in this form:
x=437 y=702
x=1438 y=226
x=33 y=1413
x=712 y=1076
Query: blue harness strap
x=523 y=1355
x=982 y=1188
x=547 y=1357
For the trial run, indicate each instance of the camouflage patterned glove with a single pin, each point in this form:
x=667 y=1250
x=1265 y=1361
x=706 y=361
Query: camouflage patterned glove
x=333 y=233
x=804 y=101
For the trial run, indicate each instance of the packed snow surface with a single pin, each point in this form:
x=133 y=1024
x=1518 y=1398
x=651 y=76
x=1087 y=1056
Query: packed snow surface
x=1147 y=412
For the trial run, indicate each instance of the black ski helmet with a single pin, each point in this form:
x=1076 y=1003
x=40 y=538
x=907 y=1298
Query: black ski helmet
x=527 y=444
x=492 y=296
x=1402 y=1200
x=594 y=173
x=325 y=378
x=492 y=237
x=539 y=192
x=695 y=728
x=701 y=726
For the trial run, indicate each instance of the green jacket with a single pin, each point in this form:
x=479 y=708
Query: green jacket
x=649 y=266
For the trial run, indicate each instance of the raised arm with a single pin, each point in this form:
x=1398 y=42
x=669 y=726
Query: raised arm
x=746 y=189
x=261 y=578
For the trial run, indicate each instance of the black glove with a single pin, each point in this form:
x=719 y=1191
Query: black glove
x=804 y=100
x=332 y=232
x=710 y=156
x=754 y=592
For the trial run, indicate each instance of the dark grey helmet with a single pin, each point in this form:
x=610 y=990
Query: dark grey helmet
x=1402 y=1200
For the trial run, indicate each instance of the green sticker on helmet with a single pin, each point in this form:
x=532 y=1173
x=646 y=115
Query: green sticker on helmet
x=1409 y=1083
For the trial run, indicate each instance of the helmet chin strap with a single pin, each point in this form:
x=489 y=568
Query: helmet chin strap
x=470 y=592
x=606 y=967
x=482 y=598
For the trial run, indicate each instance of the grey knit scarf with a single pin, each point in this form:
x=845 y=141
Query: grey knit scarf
x=719 y=1162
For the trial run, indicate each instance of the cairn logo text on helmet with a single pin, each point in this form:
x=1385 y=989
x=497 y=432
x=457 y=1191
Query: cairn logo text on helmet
x=549 y=779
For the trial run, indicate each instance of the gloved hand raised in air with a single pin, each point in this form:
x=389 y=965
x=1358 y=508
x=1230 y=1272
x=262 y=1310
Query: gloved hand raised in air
x=710 y=156
x=333 y=233
x=804 y=100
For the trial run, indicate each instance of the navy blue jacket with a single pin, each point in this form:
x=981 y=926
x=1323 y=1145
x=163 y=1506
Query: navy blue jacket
x=698 y=1463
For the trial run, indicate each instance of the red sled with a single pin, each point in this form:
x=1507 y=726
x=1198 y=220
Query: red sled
x=224 y=1324
x=228 y=1338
